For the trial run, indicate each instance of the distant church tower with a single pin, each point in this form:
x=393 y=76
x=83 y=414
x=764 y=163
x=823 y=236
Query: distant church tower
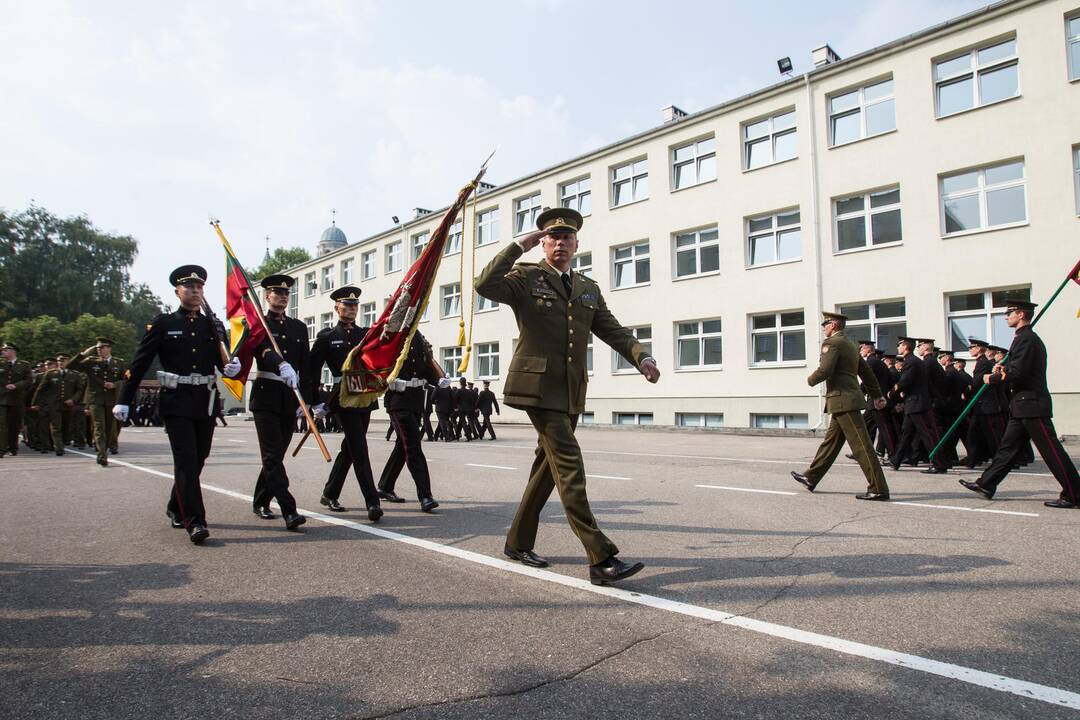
x=332 y=238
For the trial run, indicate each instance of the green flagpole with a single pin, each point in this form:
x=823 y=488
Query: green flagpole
x=1071 y=276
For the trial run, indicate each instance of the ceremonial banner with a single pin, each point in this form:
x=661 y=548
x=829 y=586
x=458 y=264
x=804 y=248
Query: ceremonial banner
x=245 y=329
x=373 y=364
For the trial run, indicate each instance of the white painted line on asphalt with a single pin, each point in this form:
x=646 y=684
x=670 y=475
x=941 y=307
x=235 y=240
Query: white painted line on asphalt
x=607 y=477
x=966 y=509
x=1001 y=683
x=494 y=467
x=754 y=490
x=235 y=441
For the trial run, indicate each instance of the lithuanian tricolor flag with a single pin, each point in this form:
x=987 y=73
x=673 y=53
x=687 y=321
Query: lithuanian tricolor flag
x=246 y=331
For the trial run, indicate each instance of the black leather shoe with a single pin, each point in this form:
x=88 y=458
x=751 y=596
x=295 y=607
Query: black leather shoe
x=114 y=450
x=1060 y=503
x=391 y=496
x=872 y=496
x=197 y=533
x=374 y=512
x=294 y=520
x=976 y=487
x=174 y=520
x=334 y=505
x=804 y=481
x=934 y=471
x=895 y=466
x=428 y=504
x=263 y=512
x=612 y=570
x=103 y=461
x=59 y=452
x=525 y=557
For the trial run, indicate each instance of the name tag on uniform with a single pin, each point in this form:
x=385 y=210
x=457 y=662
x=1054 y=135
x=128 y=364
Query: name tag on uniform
x=337 y=342
x=176 y=332
x=543 y=289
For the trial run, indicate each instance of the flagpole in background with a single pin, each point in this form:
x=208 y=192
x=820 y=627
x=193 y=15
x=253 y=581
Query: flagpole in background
x=1073 y=275
x=262 y=319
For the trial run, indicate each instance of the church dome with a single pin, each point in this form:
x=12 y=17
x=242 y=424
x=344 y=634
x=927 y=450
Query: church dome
x=331 y=239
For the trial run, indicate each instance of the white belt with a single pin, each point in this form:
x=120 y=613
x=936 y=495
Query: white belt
x=196 y=379
x=267 y=375
x=399 y=385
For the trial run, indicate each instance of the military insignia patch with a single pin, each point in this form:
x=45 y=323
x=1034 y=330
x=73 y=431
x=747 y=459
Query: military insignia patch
x=824 y=349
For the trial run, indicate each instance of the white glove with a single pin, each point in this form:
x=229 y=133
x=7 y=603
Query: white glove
x=299 y=412
x=285 y=370
x=320 y=410
x=120 y=412
x=232 y=368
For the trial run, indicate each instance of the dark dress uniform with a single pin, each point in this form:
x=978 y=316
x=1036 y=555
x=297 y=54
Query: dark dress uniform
x=547 y=379
x=404 y=402
x=429 y=407
x=840 y=368
x=988 y=423
x=99 y=398
x=444 y=406
x=939 y=400
x=12 y=402
x=186 y=343
x=486 y=403
x=331 y=347
x=1031 y=413
x=918 y=416
x=466 y=406
x=273 y=408
x=883 y=420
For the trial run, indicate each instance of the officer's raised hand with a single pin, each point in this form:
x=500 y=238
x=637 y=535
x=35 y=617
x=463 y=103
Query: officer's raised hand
x=531 y=240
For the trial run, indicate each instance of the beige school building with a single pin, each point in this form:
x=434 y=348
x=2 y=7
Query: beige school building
x=909 y=187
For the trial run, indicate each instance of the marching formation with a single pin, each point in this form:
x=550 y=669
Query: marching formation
x=917 y=397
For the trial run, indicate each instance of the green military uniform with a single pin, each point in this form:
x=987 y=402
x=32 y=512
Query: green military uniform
x=99 y=398
x=55 y=387
x=12 y=401
x=36 y=436
x=547 y=379
x=75 y=421
x=840 y=367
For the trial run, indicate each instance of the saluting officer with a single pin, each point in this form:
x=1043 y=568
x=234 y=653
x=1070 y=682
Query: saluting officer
x=840 y=368
x=104 y=374
x=274 y=406
x=331 y=347
x=1024 y=374
x=16 y=378
x=556 y=309
x=188 y=345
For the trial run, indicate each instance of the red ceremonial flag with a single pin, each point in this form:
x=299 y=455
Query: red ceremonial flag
x=373 y=364
x=245 y=329
x=1074 y=275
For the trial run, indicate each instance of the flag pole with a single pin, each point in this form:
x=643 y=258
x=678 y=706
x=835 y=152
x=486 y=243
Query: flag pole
x=1071 y=276
x=262 y=320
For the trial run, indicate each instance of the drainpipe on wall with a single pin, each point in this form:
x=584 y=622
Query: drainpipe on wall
x=815 y=232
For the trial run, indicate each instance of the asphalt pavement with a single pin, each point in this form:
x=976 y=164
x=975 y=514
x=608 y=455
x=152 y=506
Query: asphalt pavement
x=758 y=600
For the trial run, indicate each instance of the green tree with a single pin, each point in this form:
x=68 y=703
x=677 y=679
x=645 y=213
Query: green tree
x=280 y=259
x=45 y=336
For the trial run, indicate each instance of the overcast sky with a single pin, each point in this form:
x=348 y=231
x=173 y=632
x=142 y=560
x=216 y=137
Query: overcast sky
x=148 y=116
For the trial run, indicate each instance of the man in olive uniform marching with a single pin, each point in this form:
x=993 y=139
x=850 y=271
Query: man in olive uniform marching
x=841 y=367
x=55 y=389
x=103 y=377
x=188 y=343
x=71 y=398
x=556 y=309
x=16 y=378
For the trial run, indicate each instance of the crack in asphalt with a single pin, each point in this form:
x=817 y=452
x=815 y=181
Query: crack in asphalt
x=524 y=690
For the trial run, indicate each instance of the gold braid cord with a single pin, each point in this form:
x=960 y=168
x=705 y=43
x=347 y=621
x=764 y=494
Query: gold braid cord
x=472 y=297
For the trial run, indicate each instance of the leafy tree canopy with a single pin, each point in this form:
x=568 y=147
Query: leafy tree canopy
x=280 y=259
x=45 y=336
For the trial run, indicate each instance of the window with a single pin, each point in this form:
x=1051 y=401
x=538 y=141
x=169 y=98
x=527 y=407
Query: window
x=769 y=141
x=979 y=199
x=631 y=265
x=697 y=252
x=773 y=238
x=487 y=227
x=451 y=359
x=588 y=418
x=1072 y=45
x=419 y=242
x=483 y=304
x=589 y=355
x=326 y=320
x=393 y=257
x=294 y=304
x=713 y=420
x=629 y=182
x=1076 y=176
x=451 y=300
x=778 y=338
x=346 y=271
x=644 y=336
x=367 y=314
x=310 y=286
x=883 y=322
x=525 y=211
x=867 y=219
x=453 y=239
x=631 y=418
x=981 y=314
x=582 y=262
x=328 y=278
x=977 y=77
x=487 y=361
x=779 y=421
x=577 y=195
x=693 y=163
x=367 y=265
x=310 y=322
x=698 y=345
x=862 y=112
